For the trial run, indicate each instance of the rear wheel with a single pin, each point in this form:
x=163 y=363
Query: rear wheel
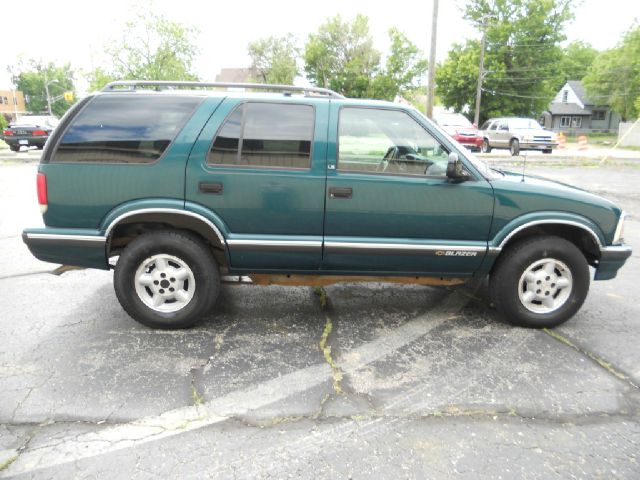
x=167 y=279
x=547 y=151
x=14 y=148
x=514 y=147
x=540 y=282
x=486 y=148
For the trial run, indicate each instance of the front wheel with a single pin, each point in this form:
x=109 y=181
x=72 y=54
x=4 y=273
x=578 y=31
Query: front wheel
x=540 y=282
x=514 y=147
x=486 y=148
x=167 y=279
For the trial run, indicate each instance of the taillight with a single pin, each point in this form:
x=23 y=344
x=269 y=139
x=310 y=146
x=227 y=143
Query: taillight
x=41 y=181
x=7 y=133
x=39 y=132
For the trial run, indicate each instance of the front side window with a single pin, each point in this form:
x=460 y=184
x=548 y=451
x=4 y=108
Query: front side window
x=387 y=142
x=126 y=128
x=265 y=135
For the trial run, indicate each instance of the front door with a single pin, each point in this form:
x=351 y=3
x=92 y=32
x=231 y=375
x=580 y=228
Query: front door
x=260 y=168
x=390 y=206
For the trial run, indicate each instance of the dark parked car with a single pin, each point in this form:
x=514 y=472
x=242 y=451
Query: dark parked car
x=175 y=189
x=29 y=130
x=461 y=129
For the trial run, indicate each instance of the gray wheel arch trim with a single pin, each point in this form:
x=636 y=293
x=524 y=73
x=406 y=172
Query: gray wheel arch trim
x=572 y=223
x=175 y=211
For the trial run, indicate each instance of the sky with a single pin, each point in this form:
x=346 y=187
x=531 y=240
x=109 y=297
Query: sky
x=76 y=31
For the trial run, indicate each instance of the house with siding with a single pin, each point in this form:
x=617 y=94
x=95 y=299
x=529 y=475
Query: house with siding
x=572 y=111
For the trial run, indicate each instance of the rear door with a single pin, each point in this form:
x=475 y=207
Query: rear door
x=390 y=207
x=259 y=166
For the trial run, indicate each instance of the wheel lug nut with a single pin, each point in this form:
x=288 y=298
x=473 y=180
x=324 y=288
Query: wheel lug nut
x=546 y=293
x=161 y=290
x=171 y=289
x=163 y=275
x=553 y=285
x=172 y=279
x=539 y=282
x=547 y=278
x=538 y=291
x=156 y=282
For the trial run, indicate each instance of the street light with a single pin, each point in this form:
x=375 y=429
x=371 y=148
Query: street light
x=46 y=89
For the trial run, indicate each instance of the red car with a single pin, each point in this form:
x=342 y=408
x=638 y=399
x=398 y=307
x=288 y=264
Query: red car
x=461 y=129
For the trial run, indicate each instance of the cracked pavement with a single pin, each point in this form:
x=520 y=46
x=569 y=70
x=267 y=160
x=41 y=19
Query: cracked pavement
x=349 y=381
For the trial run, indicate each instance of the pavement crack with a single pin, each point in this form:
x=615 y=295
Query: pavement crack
x=336 y=372
x=598 y=360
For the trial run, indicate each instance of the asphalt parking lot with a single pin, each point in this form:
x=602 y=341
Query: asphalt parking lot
x=356 y=381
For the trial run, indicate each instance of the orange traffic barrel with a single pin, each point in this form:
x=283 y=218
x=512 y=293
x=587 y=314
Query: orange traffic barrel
x=562 y=141
x=582 y=142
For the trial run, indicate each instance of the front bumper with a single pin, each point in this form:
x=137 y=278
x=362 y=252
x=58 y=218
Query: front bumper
x=611 y=260
x=537 y=146
x=81 y=248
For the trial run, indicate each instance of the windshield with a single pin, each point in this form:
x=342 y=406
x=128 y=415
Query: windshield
x=519 y=123
x=453 y=120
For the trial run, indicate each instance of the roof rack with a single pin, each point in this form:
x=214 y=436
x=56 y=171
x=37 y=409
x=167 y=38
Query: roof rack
x=134 y=84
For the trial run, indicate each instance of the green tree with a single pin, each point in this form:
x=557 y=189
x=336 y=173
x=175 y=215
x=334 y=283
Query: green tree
x=614 y=77
x=404 y=67
x=30 y=76
x=275 y=59
x=522 y=57
x=150 y=48
x=341 y=56
x=576 y=59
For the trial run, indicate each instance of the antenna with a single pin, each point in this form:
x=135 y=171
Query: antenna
x=524 y=165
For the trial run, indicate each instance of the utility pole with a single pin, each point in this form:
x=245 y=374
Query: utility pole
x=46 y=89
x=432 y=59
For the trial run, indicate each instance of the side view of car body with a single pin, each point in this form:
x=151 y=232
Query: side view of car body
x=29 y=130
x=516 y=134
x=460 y=129
x=181 y=187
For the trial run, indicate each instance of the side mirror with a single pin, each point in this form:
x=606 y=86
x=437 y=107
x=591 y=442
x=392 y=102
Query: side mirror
x=455 y=171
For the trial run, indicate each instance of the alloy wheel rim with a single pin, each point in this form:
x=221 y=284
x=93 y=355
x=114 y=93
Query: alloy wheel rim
x=165 y=283
x=545 y=286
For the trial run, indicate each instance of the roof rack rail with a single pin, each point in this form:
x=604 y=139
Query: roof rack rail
x=133 y=84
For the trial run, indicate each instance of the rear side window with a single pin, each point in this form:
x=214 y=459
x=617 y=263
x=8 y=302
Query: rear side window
x=124 y=129
x=265 y=135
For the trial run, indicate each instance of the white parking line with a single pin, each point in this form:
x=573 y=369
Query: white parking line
x=175 y=422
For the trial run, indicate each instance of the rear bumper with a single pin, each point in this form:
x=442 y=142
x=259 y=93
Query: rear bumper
x=25 y=141
x=81 y=248
x=611 y=260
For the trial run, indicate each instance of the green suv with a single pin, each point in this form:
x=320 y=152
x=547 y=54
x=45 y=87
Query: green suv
x=176 y=185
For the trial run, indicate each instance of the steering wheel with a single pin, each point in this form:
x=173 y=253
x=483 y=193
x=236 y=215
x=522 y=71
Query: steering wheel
x=392 y=153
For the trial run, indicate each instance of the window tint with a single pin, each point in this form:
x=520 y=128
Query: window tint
x=387 y=141
x=265 y=135
x=124 y=128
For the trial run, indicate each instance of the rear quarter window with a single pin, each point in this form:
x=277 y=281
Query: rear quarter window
x=124 y=129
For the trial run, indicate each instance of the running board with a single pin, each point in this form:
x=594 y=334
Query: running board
x=323 y=280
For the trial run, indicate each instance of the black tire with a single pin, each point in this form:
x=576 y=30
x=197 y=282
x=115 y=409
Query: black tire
x=547 y=151
x=14 y=148
x=509 y=270
x=193 y=254
x=486 y=148
x=514 y=147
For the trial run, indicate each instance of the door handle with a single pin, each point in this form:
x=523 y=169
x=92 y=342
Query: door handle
x=335 y=192
x=215 y=188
